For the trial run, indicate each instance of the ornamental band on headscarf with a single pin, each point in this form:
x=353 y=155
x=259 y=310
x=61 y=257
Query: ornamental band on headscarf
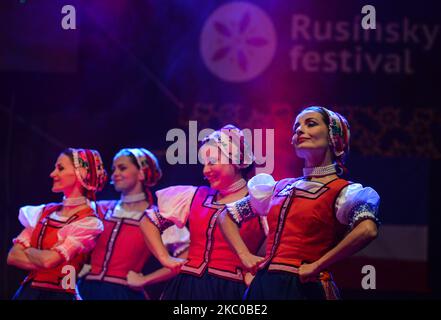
x=95 y=176
x=232 y=143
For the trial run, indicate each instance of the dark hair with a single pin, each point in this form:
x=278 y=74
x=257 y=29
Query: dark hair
x=68 y=152
x=320 y=110
x=126 y=153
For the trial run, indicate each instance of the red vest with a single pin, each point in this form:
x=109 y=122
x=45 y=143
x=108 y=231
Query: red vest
x=208 y=247
x=119 y=249
x=44 y=237
x=302 y=224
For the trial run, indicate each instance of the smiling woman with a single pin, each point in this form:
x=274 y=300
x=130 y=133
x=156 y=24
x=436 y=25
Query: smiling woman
x=121 y=252
x=212 y=270
x=60 y=234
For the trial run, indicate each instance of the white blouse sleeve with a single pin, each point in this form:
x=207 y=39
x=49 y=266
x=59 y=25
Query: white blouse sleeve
x=177 y=240
x=173 y=205
x=78 y=237
x=28 y=217
x=260 y=188
x=356 y=203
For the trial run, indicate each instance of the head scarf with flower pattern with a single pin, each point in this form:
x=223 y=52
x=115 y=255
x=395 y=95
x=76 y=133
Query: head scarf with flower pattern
x=94 y=177
x=149 y=165
x=232 y=143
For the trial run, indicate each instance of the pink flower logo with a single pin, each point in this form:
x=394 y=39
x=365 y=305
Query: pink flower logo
x=238 y=41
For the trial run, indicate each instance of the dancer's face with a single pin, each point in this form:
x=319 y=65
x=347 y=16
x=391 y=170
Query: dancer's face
x=217 y=169
x=126 y=175
x=63 y=176
x=310 y=134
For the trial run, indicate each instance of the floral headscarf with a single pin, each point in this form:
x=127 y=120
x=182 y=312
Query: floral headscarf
x=232 y=143
x=94 y=177
x=339 y=134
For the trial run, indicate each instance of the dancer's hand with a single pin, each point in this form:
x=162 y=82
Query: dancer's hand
x=135 y=280
x=248 y=278
x=251 y=262
x=84 y=270
x=309 y=272
x=173 y=263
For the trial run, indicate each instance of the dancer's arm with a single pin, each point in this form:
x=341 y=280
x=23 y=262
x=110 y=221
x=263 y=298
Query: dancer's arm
x=154 y=242
x=18 y=258
x=173 y=209
x=356 y=207
x=231 y=233
x=357 y=239
x=28 y=216
x=138 y=280
x=44 y=259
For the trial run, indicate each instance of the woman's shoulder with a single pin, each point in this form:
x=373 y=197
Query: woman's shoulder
x=30 y=214
x=177 y=191
x=356 y=200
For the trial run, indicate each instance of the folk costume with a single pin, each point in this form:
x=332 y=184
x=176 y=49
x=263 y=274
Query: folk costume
x=306 y=219
x=72 y=237
x=121 y=247
x=212 y=271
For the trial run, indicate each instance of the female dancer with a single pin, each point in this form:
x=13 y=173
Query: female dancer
x=212 y=270
x=314 y=221
x=121 y=252
x=57 y=236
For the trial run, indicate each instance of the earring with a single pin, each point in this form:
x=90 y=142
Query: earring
x=339 y=170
